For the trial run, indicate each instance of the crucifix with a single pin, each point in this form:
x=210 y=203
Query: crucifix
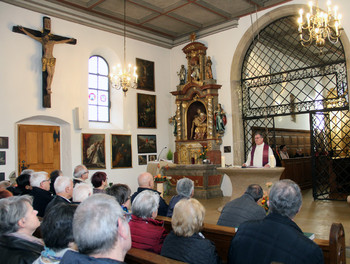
x=47 y=41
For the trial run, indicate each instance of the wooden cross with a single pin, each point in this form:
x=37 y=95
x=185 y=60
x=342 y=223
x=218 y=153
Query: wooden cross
x=47 y=41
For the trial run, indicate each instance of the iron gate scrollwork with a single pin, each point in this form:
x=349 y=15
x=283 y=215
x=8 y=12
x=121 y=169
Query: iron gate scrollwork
x=280 y=78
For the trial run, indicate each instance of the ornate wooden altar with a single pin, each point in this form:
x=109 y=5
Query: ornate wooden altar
x=198 y=113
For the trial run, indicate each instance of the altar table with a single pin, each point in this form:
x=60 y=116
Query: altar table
x=241 y=178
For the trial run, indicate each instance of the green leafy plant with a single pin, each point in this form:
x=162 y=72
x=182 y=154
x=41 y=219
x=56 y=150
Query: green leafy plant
x=169 y=155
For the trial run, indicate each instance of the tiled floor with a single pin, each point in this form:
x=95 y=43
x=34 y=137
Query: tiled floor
x=314 y=216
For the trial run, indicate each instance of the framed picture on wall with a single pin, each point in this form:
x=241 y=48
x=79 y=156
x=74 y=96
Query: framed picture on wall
x=142 y=159
x=4 y=142
x=146 y=111
x=146 y=143
x=121 y=151
x=2 y=158
x=93 y=151
x=2 y=176
x=145 y=72
x=152 y=157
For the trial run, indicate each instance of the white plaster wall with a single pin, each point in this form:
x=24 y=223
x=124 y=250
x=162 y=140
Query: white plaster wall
x=20 y=76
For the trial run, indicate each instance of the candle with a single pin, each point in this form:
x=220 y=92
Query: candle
x=223 y=161
x=272 y=161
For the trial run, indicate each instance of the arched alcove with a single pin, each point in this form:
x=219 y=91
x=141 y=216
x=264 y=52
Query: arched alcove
x=65 y=128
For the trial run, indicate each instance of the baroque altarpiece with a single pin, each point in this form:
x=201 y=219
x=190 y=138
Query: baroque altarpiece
x=198 y=112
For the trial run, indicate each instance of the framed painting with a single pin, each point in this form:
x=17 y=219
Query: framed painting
x=142 y=159
x=121 y=151
x=4 y=142
x=152 y=157
x=2 y=176
x=146 y=111
x=93 y=151
x=145 y=72
x=2 y=157
x=147 y=143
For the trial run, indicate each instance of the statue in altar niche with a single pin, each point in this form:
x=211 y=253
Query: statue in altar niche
x=208 y=71
x=182 y=75
x=195 y=71
x=199 y=126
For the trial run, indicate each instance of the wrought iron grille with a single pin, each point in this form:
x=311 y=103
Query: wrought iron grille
x=330 y=150
x=280 y=77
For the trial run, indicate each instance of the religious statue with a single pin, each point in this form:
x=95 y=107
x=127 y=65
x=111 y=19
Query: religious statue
x=172 y=120
x=208 y=71
x=220 y=119
x=48 y=60
x=195 y=70
x=182 y=75
x=199 y=125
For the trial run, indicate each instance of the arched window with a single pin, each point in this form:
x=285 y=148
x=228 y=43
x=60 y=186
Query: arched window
x=99 y=103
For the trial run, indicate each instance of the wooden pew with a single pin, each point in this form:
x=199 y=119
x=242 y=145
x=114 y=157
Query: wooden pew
x=333 y=249
x=139 y=256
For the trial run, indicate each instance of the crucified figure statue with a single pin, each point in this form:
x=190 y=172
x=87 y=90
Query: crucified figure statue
x=48 y=60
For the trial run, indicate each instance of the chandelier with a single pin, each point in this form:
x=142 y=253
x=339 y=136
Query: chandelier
x=125 y=78
x=319 y=26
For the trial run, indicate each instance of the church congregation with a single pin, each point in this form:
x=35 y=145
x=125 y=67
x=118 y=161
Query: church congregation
x=226 y=140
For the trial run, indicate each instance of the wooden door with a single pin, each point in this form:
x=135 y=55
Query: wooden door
x=38 y=148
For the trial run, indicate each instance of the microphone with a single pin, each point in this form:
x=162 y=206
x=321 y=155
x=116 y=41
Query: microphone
x=161 y=152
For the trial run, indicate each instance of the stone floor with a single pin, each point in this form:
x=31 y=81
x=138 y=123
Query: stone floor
x=314 y=216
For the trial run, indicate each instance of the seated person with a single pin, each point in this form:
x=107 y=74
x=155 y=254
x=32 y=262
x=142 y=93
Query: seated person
x=299 y=153
x=146 y=182
x=185 y=190
x=40 y=183
x=121 y=192
x=99 y=181
x=81 y=191
x=146 y=232
x=18 y=222
x=261 y=155
x=284 y=152
x=244 y=208
x=80 y=174
x=276 y=238
x=53 y=176
x=100 y=231
x=23 y=185
x=64 y=191
x=57 y=232
x=186 y=243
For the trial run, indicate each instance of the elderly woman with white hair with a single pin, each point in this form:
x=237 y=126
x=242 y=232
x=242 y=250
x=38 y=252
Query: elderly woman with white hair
x=18 y=222
x=146 y=232
x=186 y=243
x=185 y=190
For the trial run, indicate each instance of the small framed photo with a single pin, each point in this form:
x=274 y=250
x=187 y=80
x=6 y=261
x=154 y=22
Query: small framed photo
x=2 y=158
x=4 y=142
x=152 y=157
x=227 y=149
x=2 y=176
x=146 y=111
x=93 y=151
x=121 y=151
x=142 y=159
x=145 y=72
x=147 y=143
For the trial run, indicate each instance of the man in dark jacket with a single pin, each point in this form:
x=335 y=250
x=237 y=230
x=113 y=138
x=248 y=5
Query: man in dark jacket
x=64 y=192
x=146 y=182
x=18 y=223
x=244 y=208
x=100 y=231
x=40 y=182
x=276 y=238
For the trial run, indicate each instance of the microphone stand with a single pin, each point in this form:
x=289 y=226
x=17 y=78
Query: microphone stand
x=161 y=152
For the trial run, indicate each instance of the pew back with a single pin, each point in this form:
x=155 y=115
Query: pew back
x=139 y=256
x=333 y=249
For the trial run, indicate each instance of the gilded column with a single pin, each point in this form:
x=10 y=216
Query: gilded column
x=210 y=117
x=178 y=120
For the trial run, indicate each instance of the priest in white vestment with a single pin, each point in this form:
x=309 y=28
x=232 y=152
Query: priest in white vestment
x=261 y=155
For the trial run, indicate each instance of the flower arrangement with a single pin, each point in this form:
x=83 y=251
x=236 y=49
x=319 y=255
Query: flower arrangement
x=159 y=178
x=203 y=154
x=265 y=199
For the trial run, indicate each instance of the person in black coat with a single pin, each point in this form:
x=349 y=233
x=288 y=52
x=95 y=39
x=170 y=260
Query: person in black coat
x=276 y=238
x=40 y=182
x=186 y=243
x=146 y=182
x=18 y=222
x=64 y=192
